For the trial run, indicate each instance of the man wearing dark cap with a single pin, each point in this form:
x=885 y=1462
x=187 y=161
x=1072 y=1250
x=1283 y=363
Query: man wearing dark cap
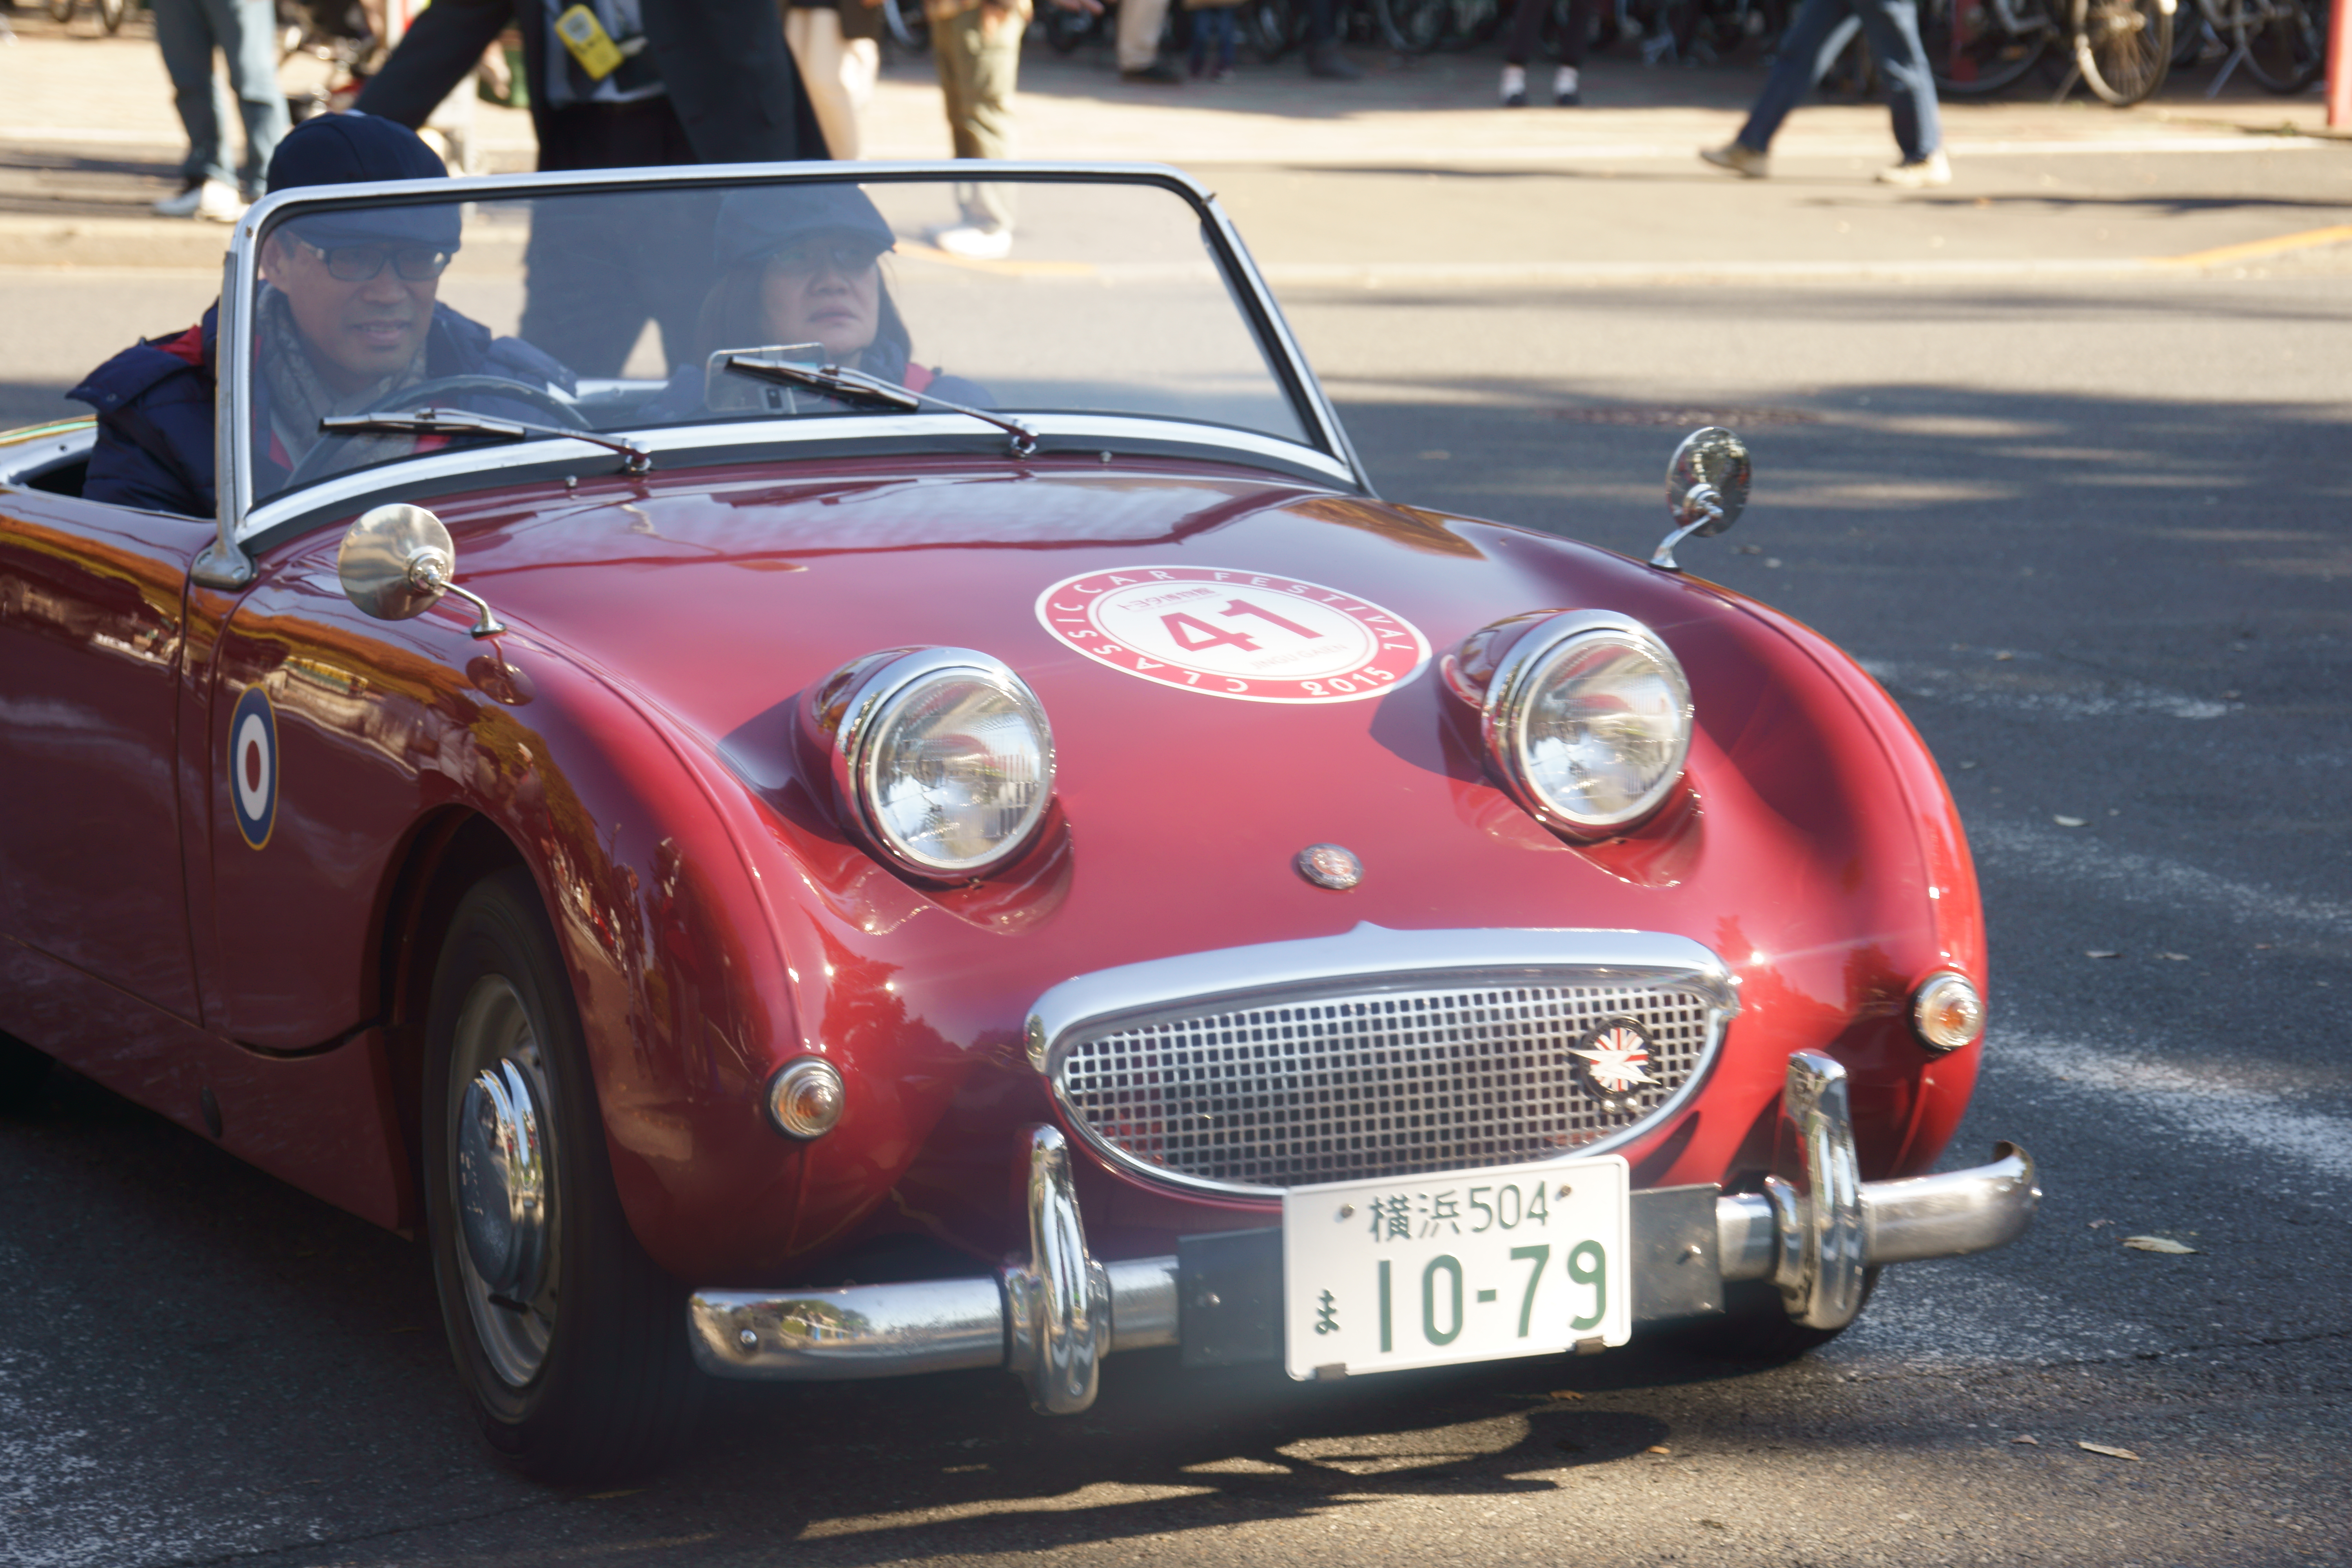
x=345 y=316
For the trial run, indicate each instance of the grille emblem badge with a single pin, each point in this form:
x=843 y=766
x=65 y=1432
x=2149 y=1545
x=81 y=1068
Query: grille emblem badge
x=1329 y=865
x=1616 y=1056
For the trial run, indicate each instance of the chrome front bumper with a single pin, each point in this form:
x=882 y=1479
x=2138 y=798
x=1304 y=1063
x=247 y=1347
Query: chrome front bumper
x=1052 y=1318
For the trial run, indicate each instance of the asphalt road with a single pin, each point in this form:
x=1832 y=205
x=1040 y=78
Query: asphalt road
x=2094 y=530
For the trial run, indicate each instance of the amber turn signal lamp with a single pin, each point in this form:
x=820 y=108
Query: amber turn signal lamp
x=1948 y=1013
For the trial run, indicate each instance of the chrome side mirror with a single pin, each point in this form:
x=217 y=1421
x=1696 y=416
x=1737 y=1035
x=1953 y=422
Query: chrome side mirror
x=398 y=561
x=1707 y=488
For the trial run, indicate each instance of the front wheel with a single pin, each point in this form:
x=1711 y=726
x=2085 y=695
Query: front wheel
x=23 y=1070
x=1972 y=50
x=2123 y=48
x=2284 y=41
x=1755 y=1326
x=571 y=1340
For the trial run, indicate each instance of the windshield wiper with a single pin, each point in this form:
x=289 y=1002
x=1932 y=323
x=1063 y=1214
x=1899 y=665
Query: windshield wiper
x=635 y=459
x=852 y=386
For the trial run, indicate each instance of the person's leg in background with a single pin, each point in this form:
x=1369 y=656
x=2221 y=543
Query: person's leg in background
x=184 y=36
x=1227 y=27
x=980 y=68
x=592 y=278
x=247 y=31
x=1323 y=57
x=813 y=35
x=1807 y=50
x=1893 y=28
x=1139 y=23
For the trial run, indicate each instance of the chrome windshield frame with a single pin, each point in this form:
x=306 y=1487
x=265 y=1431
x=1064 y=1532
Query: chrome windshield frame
x=226 y=563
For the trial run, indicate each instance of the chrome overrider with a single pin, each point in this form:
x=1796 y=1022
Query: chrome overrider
x=1051 y=1316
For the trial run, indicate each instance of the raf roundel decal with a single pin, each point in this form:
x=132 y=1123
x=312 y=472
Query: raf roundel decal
x=1252 y=636
x=1617 y=1057
x=253 y=766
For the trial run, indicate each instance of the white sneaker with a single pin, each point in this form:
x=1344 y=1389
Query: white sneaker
x=1566 y=89
x=973 y=243
x=211 y=199
x=1919 y=174
x=1515 y=86
x=1740 y=159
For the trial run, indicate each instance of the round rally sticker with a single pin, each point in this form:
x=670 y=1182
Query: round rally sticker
x=253 y=766
x=1254 y=636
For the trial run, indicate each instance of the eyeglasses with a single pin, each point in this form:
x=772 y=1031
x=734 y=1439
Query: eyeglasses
x=358 y=263
x=810 y=257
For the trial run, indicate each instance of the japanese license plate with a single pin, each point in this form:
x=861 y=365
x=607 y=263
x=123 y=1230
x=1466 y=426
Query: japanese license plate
x=1405 y=1271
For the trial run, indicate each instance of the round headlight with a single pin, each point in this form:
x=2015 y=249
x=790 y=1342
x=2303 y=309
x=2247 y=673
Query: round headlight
x=946 y=757
x=1588 y=720
x=1947 y=1012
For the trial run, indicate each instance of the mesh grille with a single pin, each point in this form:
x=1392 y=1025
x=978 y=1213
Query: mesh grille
x=1333 y=1086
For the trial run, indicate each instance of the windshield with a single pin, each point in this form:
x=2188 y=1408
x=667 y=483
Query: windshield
x=654 y=308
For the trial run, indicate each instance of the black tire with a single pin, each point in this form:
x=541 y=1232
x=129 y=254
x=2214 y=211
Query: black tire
x=585 y=1376
x=2286 y=42
x=23 y=1070
x=1985 y=55
x=2123 y=48
x=1755 y=1328
x=908 y=27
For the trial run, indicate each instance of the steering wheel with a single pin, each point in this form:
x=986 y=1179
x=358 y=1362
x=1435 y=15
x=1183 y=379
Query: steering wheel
x=559 y=412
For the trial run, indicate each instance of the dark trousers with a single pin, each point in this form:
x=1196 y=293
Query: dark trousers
x=1527 y=21
x=596 y=268
x=1821 y=30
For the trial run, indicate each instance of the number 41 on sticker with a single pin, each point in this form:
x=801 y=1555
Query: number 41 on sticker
x=1192 y=635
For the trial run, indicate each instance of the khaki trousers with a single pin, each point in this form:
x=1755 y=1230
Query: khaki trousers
x=1140 y=22
x=838 y=72
x=980 y=64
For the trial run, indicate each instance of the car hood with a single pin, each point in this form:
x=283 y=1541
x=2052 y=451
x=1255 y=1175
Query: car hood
x=719 y=601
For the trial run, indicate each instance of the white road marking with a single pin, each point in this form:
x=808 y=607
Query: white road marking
x=2148 y=880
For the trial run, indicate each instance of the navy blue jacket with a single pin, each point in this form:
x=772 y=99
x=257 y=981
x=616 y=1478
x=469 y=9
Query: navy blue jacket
x=154 y=408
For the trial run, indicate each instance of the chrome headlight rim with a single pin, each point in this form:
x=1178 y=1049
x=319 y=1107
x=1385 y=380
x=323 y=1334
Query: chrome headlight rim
x=880 y=686
x=1518 y=681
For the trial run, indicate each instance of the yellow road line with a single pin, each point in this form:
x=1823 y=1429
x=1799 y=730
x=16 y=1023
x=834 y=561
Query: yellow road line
x=2253 y=249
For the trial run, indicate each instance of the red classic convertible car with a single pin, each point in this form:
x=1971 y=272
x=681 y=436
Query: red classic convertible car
x=937 y=821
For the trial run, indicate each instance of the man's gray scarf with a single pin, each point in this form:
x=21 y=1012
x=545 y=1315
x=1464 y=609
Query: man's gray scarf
x=299 y=399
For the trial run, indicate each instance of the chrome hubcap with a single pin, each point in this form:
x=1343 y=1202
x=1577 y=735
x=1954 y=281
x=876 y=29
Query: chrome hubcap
x=503 y=1180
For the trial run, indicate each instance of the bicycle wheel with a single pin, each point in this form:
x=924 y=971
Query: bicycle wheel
x=1978 y=46
x=2123 y=48
x=2286 y=42
x=908 y=27
x=1413 y=27
x=1272 y=27
x=1470 y=23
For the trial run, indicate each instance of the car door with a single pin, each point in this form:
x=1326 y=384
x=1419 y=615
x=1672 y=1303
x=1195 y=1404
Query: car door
x=92 y=612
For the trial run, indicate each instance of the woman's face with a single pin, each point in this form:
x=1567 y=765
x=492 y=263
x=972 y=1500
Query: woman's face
x=825 y=289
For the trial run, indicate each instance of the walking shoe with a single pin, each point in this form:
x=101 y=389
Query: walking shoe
x=1158 y=70
x=1918 y=174
x=1326 y=61
x=213 y=199
x=1564 y=87
x=1740 y=159
x=1515 y=86
x=973 y=242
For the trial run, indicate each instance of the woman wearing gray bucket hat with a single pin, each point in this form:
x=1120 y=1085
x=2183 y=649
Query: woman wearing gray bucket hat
x=801 y=265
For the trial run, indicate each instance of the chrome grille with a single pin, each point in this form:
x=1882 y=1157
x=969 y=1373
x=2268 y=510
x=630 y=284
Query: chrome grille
x=1372 y=1075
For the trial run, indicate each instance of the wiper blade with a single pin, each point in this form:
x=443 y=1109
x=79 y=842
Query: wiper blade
x=853 y=385
x=635 y=459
